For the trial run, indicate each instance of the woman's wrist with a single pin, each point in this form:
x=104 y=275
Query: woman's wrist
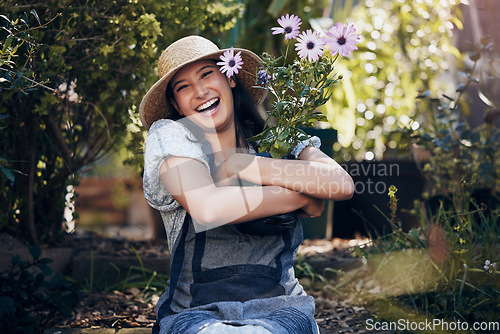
x=312 y=141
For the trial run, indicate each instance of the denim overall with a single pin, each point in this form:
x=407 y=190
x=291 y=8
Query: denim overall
x=210 y=282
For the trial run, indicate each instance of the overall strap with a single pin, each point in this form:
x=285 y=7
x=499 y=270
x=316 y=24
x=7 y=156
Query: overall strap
x=287 y=237
x=175 y=272
x=199 y=251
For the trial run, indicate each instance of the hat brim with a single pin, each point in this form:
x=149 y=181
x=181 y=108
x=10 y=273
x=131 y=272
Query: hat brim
x=154 y=105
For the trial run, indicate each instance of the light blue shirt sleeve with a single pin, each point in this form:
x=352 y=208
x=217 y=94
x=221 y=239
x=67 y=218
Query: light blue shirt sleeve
x=312 y=141
x=166 y=138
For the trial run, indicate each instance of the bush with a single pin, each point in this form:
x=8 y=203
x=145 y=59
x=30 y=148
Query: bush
x=464 y=159
x=71 y=75
x=29 y=302
x=445 y=269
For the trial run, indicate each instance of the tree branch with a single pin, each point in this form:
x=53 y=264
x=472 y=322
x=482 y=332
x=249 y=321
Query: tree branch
x=53 y=127
x=31 y=182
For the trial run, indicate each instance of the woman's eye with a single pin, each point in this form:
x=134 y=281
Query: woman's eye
x=206 y=73
x=181 y=87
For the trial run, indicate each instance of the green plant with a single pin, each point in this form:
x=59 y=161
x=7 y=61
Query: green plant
x=441 y=270
x=405 y=46
x=14 y=79
x=29 y=301
x=445 y=269
x=10 y=173
x=463 y=159
x=71 y=77
x=301 y=85
x=112 y=277
x=307 y=275
x=299 y=89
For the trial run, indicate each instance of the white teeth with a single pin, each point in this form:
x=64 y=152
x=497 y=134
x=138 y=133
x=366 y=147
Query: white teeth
x=207 y=104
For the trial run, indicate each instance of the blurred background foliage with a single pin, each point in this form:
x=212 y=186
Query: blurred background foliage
x=73 y=72
x=406 y=48
x=95 y=60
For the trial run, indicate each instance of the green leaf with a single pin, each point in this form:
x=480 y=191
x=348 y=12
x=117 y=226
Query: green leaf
x=33 y=11
x=35 y=251
x=8 y=41
x=47 y=271
x=457 y=22
x=5 y=18
x=10 y=175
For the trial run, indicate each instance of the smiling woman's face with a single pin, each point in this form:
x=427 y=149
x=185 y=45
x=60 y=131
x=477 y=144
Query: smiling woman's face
x=202 y=93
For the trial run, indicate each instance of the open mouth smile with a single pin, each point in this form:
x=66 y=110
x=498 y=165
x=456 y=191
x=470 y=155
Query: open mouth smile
x=209 y=107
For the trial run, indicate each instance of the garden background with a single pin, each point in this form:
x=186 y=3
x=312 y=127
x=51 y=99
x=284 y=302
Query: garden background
x=418 y=109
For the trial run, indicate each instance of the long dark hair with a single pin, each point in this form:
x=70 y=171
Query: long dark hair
x=247 y=119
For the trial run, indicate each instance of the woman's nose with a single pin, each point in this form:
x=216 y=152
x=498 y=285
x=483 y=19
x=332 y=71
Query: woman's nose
x=201 y=90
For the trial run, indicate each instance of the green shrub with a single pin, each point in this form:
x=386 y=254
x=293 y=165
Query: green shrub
x=29 y=301
x=72 y=74
x=464 y=159
x=445 y=269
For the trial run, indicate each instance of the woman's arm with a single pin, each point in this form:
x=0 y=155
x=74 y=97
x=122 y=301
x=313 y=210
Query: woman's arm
x=191 y=184
x=314 y=174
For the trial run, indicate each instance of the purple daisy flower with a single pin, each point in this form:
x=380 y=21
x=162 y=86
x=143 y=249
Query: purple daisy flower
x=310 y=45
x=230 y=63
x=290 y=26
x=342 y=39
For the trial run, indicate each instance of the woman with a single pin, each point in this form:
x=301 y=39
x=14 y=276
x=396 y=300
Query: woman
x=230 y=271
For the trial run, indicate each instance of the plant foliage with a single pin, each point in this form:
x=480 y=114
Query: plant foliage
x=29 y=300
x=464 y=159
x=298 y=89
x=436 y=271
x=71 y=75
x=405 y=46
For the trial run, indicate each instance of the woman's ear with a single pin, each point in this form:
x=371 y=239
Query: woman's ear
x=232 y=82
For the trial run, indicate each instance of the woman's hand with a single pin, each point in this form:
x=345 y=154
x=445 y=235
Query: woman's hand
x=223 y=177
x=228 y=172
x=313 y=208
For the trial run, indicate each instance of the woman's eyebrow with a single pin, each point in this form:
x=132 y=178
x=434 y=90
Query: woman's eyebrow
x=204 y=67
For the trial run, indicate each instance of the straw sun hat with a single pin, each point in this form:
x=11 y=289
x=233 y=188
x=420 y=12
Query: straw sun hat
x=154 y=105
